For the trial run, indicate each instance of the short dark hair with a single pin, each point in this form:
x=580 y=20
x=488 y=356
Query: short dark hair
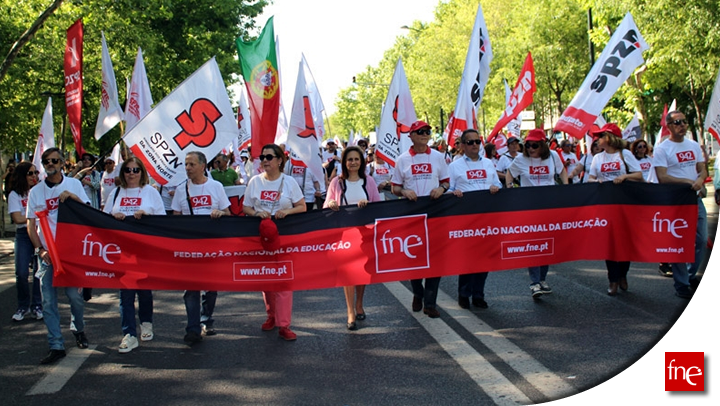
x=200 y=157
x=278 y=152
x=463 y=136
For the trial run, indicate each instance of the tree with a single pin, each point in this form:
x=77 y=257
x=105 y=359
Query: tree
x=176 y=38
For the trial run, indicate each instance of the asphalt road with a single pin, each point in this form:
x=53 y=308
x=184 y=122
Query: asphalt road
x=517 y=351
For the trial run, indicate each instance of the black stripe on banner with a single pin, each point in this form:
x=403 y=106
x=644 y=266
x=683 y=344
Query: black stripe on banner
x=505 y=201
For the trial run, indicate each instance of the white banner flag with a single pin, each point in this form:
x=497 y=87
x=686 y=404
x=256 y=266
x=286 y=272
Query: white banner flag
x=474 y=78
x=315 y=100
x=621 y=56
x=46 y=139
x=398 y=115
x=712 y=118
x=139 y=101
x=110 y=113
x=244 y=132
x=633 y=131
x=196 y=116
x=302 y=139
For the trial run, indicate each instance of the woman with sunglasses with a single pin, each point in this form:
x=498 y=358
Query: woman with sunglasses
x=274 y=194
x=537 y=154
x=24 y=177
x=352 y=187
x=615 y=164
x=134 y=196
x=641 y=152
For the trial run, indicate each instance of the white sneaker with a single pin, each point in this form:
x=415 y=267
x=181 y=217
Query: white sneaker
x=38 y=314
x=536 y=290
x=127 y=344
x=546 y=289
x=146 y=331
x=20 y=314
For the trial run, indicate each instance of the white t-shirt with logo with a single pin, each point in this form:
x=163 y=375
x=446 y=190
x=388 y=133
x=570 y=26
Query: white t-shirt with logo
x=306 y=178
x=381 y=172
x=130 y=200
x=467 y=175
x=505 y=161
x=572 y=165
x=420 y=172
x=204 y=197
x=42 y=197
x=536 y=171
x=680 y=158
x=648 y=170
x=107 y=183
x=17 y=204
x=606 y=167
x=262 y=194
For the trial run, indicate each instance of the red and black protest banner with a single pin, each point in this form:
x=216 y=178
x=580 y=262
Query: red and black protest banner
x=386 y=241
x=74 y=82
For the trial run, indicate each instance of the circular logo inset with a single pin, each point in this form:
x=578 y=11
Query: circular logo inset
x=264 y=80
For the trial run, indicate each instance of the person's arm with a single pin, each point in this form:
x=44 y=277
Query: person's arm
x=564 y=176
x=508 y=178
x=298 y=207
x=35 y=240
x=633 y=177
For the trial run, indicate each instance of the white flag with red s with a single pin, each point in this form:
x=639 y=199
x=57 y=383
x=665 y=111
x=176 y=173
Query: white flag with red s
x=397 y=116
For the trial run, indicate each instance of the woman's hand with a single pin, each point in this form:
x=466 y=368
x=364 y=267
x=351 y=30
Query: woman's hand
x=138 y=214
x=333 y=205
x=119 y=216
x=362 y=203
x=458 y=193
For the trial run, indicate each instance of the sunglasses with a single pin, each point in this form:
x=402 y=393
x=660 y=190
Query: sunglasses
x=678 y=122
x=46 y=161
x=472 y=142
x=422 y=132
x=132 y=170
x=267 y=157
x=641 y=146
x=533 y=145
x=31 y=173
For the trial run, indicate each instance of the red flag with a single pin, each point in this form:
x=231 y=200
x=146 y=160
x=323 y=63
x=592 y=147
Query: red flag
x=73 y=82
x=521 y=97
x=258 y=62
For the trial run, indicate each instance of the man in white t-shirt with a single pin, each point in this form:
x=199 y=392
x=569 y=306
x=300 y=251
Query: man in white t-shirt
x=469 y=173
x=422 y=171
x=506 y=159
x=680 y=160
x=107 y=181
x=200 y=195
x=47 y=195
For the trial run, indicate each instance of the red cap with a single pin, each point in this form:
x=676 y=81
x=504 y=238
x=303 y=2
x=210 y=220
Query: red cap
x=269 y=235
x=419 y=125
x=535 y=135
x=611 y=128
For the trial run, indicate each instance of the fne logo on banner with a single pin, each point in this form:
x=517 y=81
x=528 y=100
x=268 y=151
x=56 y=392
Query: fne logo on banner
x=684 y=371
x=401 y=243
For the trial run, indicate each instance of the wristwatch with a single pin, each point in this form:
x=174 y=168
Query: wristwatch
x=37 y=250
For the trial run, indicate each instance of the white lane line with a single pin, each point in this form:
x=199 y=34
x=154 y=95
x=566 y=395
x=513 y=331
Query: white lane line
x=61 y=373
x=490 y=380
x=545 y=381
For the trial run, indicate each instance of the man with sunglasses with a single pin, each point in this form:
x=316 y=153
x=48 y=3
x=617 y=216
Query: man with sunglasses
x=421 y=171
x=199 y=195
x=469 y=173
x=680 y=160
x=47 y=195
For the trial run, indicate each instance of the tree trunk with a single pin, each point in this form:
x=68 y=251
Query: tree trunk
x=27 y=35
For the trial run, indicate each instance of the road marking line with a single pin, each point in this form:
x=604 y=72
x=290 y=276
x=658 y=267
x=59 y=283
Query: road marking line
x=545 y=381
x=61 y=373
x=490 y=380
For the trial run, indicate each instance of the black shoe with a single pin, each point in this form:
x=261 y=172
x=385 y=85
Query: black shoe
x=52 y=356
x=417 y=304
x=694 y=283
x=463 y=302
x=352 y=326
x=481 y=303
x=81 y=340
x=192 y=338
x=665 y=270
x=432 y=312
x=360 y=316
x=207 y=330
x=684 y=293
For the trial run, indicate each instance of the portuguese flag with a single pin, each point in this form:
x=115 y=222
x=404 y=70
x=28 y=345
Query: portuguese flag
x=258 y=62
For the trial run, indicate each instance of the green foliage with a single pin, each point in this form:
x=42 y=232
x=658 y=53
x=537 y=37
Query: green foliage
x=176 y=37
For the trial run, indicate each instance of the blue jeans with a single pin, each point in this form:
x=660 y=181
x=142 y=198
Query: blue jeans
x=472 y=285
x=50 y=307
x=195 y=309
x=684 y=272
x=538 y=273
x=24 y=258
x=127 y=309
x=428 y=293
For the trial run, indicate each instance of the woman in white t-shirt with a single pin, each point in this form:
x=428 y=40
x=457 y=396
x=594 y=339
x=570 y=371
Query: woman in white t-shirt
x=615 y=164
x=274 y=194
x=537 y=166
x=352 y=187
x=24 y=177
x=641 y=152
x=134 y=196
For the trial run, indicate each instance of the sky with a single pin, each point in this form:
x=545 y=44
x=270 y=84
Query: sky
x=338 y=37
